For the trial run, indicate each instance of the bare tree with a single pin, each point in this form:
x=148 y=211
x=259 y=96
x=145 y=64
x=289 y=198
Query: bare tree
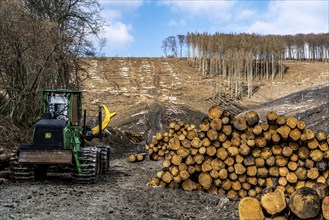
x=169 y=46
x=41 y=42
x=181 y=41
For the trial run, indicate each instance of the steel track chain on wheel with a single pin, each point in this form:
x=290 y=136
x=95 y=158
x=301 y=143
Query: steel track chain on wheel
x=20 y=171
x=89 y=162
x=104 y=159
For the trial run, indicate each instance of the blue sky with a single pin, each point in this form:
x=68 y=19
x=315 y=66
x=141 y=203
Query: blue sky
x=137 y=27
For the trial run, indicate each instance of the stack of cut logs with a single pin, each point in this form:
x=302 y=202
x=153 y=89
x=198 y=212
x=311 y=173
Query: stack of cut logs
x=240 y=156
x=4 y=164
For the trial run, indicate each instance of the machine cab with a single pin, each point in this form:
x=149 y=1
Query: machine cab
x=63 y=105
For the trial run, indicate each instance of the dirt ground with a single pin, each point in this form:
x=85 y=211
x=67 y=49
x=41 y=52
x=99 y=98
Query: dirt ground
x=148 y=93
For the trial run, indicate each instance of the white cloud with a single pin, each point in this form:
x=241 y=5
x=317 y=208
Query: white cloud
x=213 y=10
x=117 y=36
x=291 y=17
x=174 y=23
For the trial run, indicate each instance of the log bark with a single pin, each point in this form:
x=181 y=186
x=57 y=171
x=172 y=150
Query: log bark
x=252 y=118
x=305 y=203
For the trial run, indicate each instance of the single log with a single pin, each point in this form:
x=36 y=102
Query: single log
x=239 y=123
x=215 y=112
x=198 y=158
x=301 y=125
x=292 y=166
x=321 y=135
x=259 y=162
x=211 y=151
x=176 y=160
x=272 y=117
x=212 y=134
x=154 y=181
x=313 y=173
x=252 y=171
x=190 y=160
x=325 y=207
x=266 y=153
x=283 y=171
x=321 y=189
x=260 y=142
x=274 y=202
x=291 y=177
x=182 y=167
x=221 y=153
x=294 y=157
x=305 y=203
x=227 y=129
x=321 y=165
x=268 y=136
x=276 y=150
x=223 y=174
x=313 y=143
x=196 y=143
x=167 y=177
x=233 y=151
x=239 y=168
x=265 y=126
x=252 y=118
x=189 y=185
x=262 y=172
x=244 y=149
x=292 y=122
x=282 y=181
x=174 y=170
x=303 y=152
x=206 y=142
x=222 y=137
x=216 y=124
x=236 y=141
x=202 y=150
x=217 y=164
x=206 y=166
x=239 y=158
x=323 y=146
x=287 y=151
x=229 y=161
x=132 y=158
x=281 y=161
x=316 y=155
x=249 y=160
x=250 y=208
x=227 y=184
x=295 y=134
x=284 y=131
x=309 y=163
x=274 y=171
x=183 y=152
x=309 y=134
x=281 y=120
x=174 y=143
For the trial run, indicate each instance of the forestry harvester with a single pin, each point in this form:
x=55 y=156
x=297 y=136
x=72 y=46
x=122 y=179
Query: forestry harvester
x=61 y=140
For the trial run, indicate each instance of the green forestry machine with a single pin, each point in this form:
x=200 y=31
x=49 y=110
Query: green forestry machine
x=60 y=140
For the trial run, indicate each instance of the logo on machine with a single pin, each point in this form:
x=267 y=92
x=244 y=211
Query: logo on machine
x=47 y=135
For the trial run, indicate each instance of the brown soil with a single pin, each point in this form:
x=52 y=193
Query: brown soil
x=147 y=93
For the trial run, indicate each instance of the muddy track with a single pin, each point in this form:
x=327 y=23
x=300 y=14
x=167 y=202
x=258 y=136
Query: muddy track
x=120 y=195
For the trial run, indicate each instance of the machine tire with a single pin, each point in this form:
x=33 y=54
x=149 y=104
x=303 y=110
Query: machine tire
x=19 y=171
x=104 y=159
x=90 y=166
